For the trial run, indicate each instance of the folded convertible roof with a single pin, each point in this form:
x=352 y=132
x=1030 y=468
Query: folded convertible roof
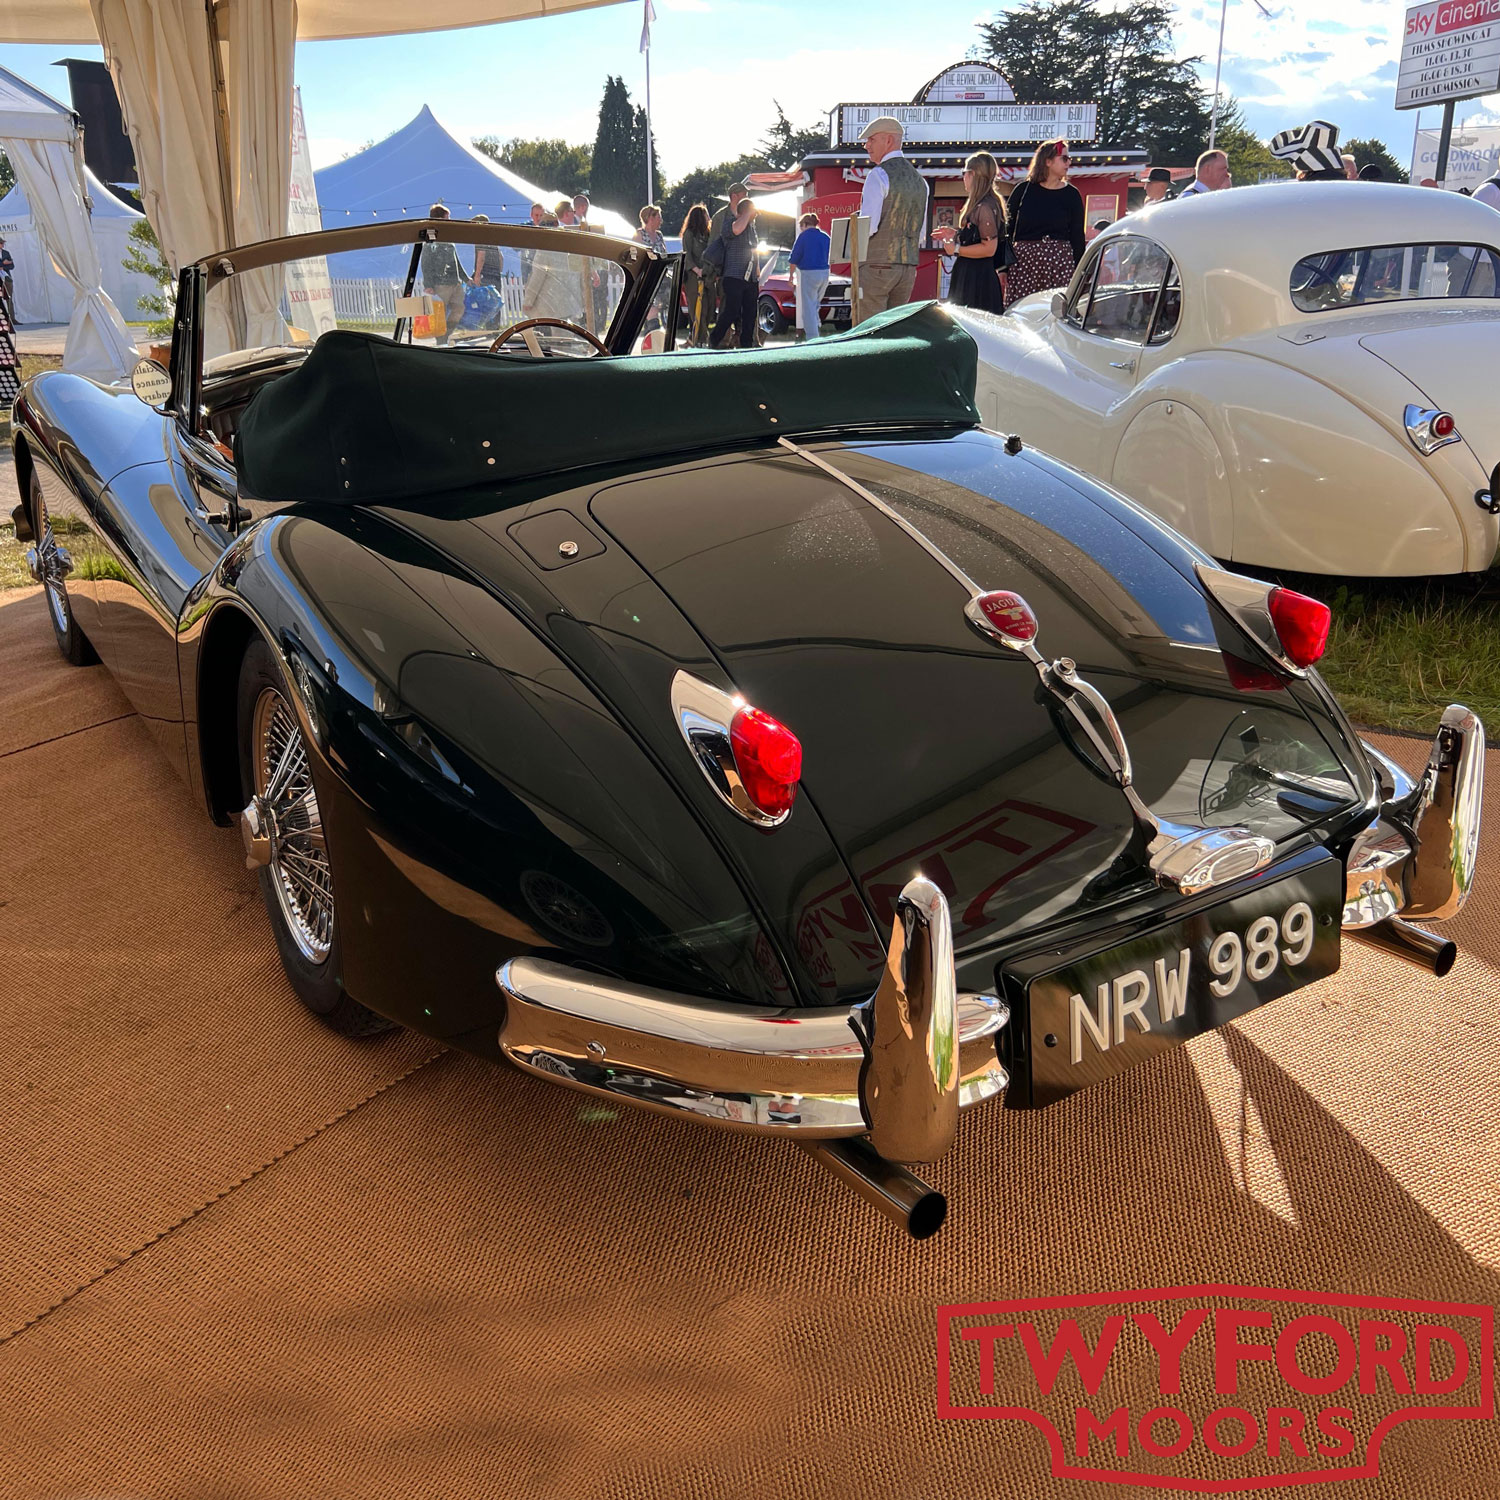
x=364 y=420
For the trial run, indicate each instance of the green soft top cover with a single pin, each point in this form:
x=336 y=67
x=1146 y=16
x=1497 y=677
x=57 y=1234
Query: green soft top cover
x=363 y=419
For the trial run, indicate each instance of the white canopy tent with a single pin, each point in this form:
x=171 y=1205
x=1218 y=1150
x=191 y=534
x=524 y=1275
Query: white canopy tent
x=206 y=85
x=42 y=293
x=40 y=136
x=71 y=21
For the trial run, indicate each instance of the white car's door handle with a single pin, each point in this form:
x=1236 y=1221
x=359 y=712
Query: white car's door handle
x=1122 y=364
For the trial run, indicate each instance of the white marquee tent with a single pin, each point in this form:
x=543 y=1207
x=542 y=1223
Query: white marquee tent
x=40 y=136
x=42 y=293
x=206 y=90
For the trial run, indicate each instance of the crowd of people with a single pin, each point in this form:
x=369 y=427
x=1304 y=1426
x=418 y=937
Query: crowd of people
x=996 y=253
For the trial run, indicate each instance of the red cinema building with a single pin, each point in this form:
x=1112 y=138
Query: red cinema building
x=968 y=107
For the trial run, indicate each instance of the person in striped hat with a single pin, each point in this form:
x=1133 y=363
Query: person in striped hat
x=1313 y=149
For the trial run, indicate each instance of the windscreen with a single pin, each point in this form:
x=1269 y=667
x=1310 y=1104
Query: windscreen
x=461 y=296
x=1394 y=273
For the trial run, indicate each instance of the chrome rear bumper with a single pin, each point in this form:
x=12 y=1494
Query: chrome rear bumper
x=898 y=1067
x=1418 y=857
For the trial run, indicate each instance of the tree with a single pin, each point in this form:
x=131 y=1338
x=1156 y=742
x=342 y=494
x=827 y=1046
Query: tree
x=7 y=175
x=1080 y=50
x=706 y=185
x=785 y=146
x=613 y=182
x=638 y=151
x=144 y=257
x=1371 y=150
x=1250 y=158
x=553 y=164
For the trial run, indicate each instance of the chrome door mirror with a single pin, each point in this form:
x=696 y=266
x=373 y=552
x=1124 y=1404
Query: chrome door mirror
x=151 y=383
x=1059 y=304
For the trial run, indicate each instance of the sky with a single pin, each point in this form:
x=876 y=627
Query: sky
x=718 y=65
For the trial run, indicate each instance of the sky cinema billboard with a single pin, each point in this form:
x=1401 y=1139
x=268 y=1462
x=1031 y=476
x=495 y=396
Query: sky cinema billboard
x=1449 y=50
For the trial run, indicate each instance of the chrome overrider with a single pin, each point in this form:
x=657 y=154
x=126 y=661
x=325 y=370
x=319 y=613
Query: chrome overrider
x=897 y=1068
x=1418 y=857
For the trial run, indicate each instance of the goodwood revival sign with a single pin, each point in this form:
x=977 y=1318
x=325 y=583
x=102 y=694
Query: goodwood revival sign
x=1449 y=50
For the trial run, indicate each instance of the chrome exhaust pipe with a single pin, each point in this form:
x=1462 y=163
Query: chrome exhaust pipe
x=900 y=1195
x=1405 y=940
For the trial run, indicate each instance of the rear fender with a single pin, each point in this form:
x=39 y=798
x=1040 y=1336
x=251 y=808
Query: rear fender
x=480 y=802
x=1317 y=482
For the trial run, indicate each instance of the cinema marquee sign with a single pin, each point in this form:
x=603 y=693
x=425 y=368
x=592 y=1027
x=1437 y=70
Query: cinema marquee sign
x=982 y=123
x=1449 y=50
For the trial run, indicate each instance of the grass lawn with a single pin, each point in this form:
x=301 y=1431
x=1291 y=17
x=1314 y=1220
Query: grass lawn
x=1401 y=650
x=13 y=572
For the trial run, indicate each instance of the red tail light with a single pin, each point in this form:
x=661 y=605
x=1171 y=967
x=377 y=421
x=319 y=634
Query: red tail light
x=768 y=757
x=1443 y=425
x=1301 y=623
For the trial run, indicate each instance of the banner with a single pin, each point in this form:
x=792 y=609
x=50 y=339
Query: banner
x=1473 y=155
x=1450 y=50
x=309 y=292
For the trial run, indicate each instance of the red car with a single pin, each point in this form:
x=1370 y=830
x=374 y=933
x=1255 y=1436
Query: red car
x=778 y=296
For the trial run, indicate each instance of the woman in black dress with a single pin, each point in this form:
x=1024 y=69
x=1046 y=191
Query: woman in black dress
x=1046 y=224
x=981 y=226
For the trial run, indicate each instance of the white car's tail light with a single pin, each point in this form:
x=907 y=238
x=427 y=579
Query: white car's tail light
x=1289 y=627
x=1430 y=429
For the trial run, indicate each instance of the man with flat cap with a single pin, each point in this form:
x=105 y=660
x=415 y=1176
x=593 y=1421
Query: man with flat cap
x=895 y=202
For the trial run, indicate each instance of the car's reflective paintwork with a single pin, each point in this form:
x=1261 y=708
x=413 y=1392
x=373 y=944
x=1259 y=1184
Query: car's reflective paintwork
x=497 y=763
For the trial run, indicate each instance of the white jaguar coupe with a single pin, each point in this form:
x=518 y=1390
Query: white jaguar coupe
x=1300 y=375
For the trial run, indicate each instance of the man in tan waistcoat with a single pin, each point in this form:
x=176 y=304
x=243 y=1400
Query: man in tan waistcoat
x=895 y=202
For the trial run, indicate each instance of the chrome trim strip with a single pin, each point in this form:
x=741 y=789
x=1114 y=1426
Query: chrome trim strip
x=925 y=542
x=704 y=714
x=1182 y=858
x=768 y=1072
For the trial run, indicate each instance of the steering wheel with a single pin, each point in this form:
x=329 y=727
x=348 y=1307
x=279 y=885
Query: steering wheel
x=533 y=344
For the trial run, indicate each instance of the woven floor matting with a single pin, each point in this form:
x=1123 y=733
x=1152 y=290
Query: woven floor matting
x=242 y=1257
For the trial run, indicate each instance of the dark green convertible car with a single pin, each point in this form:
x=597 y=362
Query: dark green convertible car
x=751 y=736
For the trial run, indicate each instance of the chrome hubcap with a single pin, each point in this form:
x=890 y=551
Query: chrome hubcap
x=283 y=830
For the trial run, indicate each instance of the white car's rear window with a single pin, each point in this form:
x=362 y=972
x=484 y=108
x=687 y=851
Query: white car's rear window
x=1394 y=273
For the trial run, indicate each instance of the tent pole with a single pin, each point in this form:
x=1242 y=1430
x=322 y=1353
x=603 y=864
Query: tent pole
x=221 y=146
x=221 y=121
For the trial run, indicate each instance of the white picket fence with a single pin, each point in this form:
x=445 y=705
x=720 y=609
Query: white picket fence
x=374 y=300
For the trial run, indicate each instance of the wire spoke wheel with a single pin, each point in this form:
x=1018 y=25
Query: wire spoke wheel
x=50 y=567
x=298 y=867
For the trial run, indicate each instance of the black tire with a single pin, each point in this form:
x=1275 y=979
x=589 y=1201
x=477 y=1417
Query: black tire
x=71 y=641
x=768 y=316
x=311 y=951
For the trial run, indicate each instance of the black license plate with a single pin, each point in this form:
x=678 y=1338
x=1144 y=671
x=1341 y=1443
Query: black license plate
x=1095 y=1015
